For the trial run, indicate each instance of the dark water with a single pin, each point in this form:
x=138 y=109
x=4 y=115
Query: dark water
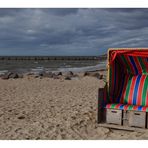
x=54 y=65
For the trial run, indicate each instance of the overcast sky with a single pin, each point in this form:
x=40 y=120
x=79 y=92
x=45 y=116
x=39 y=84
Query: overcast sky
x=71 y=31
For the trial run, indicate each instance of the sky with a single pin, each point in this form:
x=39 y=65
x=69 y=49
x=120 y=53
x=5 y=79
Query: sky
x=71 y=32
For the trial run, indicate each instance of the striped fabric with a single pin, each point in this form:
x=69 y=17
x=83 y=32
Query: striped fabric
x=127 y=107
x=134 y=90
x=134 y=65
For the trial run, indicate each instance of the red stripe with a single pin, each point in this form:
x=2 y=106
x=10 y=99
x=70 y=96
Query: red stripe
x=113 y=77
x=130 y=64
x=145 y=63
x=123 y=63
x=144 y=108
x=108 y=105
x=128 y=76
x=118 y=80
x=140 y=89
x=135 y=107
x=130 y=97
x=111 y=100
x=138 y=65
x=118 y=106
x=116 y=89
x=126 y=107
x=124 y=89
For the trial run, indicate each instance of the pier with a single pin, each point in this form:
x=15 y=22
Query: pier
x=36 y=58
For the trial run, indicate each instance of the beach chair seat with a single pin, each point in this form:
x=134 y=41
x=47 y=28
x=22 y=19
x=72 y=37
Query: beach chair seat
x=126 y=107
x=133 y=92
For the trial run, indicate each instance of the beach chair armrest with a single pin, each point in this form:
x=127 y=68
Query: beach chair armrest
x=101 y=103
x=100 y=97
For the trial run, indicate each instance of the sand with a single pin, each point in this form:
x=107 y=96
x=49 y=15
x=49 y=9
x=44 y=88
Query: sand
x=33 y=108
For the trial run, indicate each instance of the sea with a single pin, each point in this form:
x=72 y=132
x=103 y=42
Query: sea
x=35 y=66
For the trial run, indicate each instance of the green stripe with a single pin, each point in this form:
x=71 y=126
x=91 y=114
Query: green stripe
x=130 y=107
x=144 y=91
x=128 y=89
x=113 y=106
x=125 y=61
x=142 y=65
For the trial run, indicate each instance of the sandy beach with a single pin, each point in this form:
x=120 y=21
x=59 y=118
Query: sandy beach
x=34 y=108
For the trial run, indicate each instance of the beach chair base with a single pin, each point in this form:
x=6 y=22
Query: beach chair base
x=114 y=116
x=126 y=118
x=120 y=127
x=131 y=120
x=121 y=119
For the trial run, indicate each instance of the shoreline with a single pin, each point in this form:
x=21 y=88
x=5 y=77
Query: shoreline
x=67 y=75
x=47 y=72
x=57 y=68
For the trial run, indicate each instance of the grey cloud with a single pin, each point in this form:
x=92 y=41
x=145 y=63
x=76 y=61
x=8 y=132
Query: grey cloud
x=71 y=31
x=61 y=11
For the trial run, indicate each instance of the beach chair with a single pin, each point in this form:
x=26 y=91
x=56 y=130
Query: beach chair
x=123 y=102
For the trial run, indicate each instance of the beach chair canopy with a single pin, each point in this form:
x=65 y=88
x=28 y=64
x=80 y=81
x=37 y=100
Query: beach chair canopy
x=128 y=79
